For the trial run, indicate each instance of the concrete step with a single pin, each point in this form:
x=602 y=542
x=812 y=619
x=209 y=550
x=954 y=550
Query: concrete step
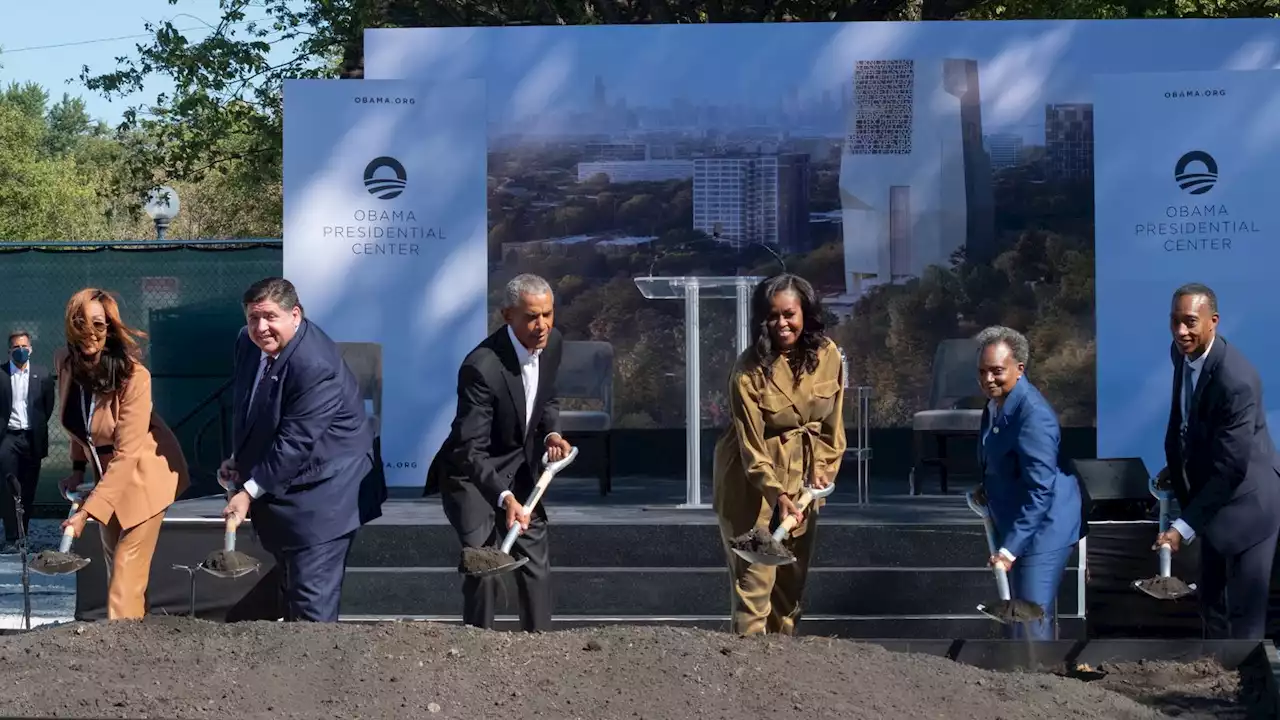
x=840 y=544
x=858 y=628
x=875 y=592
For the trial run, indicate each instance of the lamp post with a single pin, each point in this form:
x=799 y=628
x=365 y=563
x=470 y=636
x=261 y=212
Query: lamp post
x=162 y=208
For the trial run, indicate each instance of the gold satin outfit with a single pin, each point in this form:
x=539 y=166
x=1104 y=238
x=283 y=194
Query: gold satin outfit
x=781 y=434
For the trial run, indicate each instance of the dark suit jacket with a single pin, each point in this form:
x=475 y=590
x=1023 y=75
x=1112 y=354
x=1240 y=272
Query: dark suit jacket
x=488 y=449
x=40 y=404
x=1230 y=489
x=306 y=441
x=1035 y=506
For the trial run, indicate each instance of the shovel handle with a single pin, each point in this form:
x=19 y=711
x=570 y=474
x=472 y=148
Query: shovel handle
x=789 y=523
x=69 y=533
x=1166 y=560
x=229 y=536
x=539 y=489
x=1002 y=583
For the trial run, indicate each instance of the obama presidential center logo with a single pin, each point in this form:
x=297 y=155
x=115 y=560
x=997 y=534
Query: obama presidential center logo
x=386 y=228
x=1188 y=221
x=1196 y=172
x=385 y=178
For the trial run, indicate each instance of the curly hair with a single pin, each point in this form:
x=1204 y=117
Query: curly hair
x=762 y=353
x=120 y=354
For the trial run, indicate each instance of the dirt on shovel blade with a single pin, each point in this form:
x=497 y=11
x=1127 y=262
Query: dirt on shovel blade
x=480 y=559
x=759 y=542
x=1165 y=587
x=233 y=561
x=52 y=561
x=1015 y=611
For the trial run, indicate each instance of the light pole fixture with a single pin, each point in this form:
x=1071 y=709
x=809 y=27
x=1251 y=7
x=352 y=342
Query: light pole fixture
x=162 y=208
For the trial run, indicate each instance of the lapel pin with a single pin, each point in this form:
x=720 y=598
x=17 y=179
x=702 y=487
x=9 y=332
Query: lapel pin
x=995 y=430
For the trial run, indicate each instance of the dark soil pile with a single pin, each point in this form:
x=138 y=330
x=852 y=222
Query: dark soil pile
x=181 y=668
x=52 y=562
x=230 y=562
x=475 y=560
x=1014 y=610
x=1197 y=689
x=760 y=542
x=1165 y=587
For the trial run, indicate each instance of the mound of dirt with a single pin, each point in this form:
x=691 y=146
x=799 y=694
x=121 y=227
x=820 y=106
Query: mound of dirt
x=233 y=561
x=181 y=668
x=1196 y=689
x=475 y=560
x=760 y=542
x=1165 y=587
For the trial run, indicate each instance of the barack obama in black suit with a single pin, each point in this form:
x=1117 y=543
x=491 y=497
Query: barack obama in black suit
x=1223 y=467
x=507 y=415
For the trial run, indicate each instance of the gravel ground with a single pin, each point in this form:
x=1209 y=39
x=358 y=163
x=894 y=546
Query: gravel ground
x=180 y=668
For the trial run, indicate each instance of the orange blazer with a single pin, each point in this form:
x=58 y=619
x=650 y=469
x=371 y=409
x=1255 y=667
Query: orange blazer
x=147 y=470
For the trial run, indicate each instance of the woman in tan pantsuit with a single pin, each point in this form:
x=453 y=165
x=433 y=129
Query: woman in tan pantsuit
x=136 y=459
x=787 y=431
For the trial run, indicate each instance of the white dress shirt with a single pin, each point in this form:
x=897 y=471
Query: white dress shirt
x=20 y=382
x=250 y=486
x=529 y=367
x=1196 y=366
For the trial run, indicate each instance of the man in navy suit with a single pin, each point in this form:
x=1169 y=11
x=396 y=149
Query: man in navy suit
x=303 y=465
x=1035 y=507
x=1223 y=468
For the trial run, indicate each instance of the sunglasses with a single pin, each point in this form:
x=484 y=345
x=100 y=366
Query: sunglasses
x=99 y=327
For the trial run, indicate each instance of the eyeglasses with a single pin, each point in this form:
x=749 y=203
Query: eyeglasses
x=99 y=327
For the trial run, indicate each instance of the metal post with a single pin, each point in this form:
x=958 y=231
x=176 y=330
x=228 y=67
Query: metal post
x=693 y=398
x=744 y=316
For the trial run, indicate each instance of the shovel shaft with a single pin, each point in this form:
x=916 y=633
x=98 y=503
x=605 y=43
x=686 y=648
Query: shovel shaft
x=69 y=534
x=789 y=523
x=990 y=529
x=536 y=496
x=1002 y=584
x=1166 y=560
x=1164 y=514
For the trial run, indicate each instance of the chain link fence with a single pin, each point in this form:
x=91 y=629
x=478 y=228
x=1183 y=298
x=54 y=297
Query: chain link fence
x=186 y=297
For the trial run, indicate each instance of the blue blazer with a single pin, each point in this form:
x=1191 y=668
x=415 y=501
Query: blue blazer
x=307 y=441
x=1034 y=505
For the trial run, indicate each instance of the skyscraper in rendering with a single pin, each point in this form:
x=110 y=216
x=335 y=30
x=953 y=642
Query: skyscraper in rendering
x=915 y=179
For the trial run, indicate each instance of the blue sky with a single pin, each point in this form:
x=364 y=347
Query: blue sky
x=48 y=42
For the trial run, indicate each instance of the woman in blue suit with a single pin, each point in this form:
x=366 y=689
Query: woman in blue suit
x=1035 y=507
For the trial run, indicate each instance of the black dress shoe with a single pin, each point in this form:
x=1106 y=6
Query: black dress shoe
x=10 y=548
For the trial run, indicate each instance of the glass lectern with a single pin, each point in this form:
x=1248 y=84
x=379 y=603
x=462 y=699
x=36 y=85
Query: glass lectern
x=692 y=289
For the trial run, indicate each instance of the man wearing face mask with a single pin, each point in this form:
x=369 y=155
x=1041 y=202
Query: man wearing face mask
x=303 y=466
x=26 y=402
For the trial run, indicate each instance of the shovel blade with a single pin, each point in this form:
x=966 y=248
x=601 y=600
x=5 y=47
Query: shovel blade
x=487 y=572
x=763 y=558
x=1164 y=588
x=1007 y=612
x=59 y=565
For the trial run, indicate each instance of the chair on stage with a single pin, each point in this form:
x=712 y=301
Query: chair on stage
x=365 y=361
x=955 y=411
x=586 y=374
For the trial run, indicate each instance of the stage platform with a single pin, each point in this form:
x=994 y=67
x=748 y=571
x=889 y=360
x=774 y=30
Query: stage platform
x=901 y=566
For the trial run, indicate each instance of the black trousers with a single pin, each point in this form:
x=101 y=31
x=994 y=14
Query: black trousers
x=480 y=524
x=1234 y=590
x=17 y=458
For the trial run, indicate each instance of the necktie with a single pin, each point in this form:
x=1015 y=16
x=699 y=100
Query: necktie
x=1188 y=391
x=253 y=394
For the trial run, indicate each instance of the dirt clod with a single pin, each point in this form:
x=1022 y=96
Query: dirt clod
x=480 y=559
x=233 y=561
x=1170 y=588
x=1017 y=611
x=760 y=542
x=182 y=668
x=52 y=562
